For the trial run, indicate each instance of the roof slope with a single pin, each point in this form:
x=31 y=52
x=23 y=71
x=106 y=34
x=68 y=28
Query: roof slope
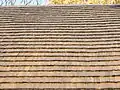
x=60 y=47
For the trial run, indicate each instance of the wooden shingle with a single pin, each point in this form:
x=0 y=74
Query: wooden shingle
x=60 y=47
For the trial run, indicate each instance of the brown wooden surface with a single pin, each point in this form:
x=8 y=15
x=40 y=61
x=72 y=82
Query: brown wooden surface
x=60 y=47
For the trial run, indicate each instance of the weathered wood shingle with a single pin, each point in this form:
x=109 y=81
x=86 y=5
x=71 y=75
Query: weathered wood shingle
x=60 y=47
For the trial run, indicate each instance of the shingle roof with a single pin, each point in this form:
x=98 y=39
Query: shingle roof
x=60 y=47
